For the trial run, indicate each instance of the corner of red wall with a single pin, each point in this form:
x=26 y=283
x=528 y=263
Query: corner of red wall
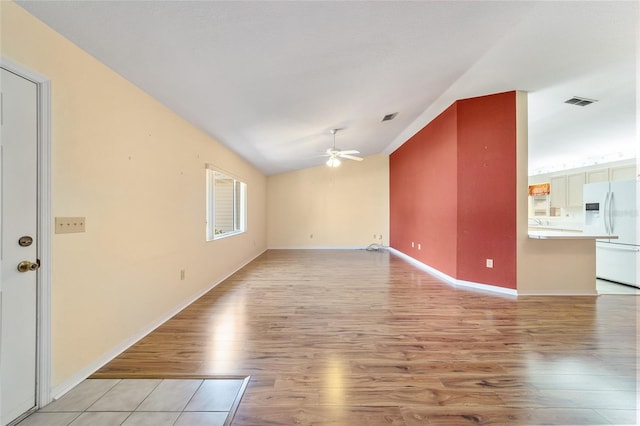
x=452 y=191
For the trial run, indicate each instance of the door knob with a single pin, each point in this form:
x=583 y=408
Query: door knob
x=26 y=266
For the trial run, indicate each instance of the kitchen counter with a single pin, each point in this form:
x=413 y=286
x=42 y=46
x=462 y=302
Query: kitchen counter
x=567 y=235
x=557 y=262
x=563 y=228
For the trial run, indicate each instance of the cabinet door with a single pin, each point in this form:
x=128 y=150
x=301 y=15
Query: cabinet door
x=575 y=182
x=622 y=173
x=558 y=191
x=601 y=175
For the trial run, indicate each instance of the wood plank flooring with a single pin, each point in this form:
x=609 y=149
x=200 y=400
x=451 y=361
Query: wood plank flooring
x=352 y=337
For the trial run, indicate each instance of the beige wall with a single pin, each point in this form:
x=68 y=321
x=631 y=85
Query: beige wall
x=137 y=172
x=340 y=207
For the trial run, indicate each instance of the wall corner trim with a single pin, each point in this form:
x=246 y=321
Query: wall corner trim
x=81 y=375
x=453 y=281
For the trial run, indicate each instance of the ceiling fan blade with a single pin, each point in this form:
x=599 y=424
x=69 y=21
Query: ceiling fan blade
x=350 y=157
x=350 y=151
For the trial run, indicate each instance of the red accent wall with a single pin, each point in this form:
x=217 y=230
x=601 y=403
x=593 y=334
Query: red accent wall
x=423 y=194
x=453 y=190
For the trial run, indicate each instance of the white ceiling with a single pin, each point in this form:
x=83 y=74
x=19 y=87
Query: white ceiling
x=269 y=79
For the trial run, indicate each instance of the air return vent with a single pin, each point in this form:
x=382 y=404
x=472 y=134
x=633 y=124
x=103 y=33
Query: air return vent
x=576 y=100
x=389 y=116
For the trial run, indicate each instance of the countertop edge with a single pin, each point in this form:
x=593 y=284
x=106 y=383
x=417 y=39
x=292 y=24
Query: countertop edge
x=560 y=235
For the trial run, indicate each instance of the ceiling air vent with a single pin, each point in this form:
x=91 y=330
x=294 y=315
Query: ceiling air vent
x=389 y=116
x=576 y=100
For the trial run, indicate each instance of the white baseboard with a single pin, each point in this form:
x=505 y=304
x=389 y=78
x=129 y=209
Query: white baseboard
x=558 y=293
x=318 y=248
x=453 y=281
x=88 y=370
x=487 y=287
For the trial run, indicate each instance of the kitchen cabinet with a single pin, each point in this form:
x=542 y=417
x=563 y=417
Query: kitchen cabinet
x=575 y=182
x=611 y=174
x=566 y=190
x=622 y=173
x=558 y=191
x=600 y=175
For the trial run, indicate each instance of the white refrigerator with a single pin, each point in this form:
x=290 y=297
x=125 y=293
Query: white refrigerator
x=610 y=209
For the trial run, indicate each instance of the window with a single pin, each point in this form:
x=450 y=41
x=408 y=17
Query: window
x=226 y=205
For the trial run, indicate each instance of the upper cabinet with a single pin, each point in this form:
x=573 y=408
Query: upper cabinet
x=566 y=190
x=558 y=193
x=575 y=182
x=622 y=173
x=611 y=173
x=601 y=175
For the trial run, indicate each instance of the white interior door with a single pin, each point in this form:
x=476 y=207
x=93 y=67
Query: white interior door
x=19 y=220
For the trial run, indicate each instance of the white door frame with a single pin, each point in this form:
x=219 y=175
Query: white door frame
x=43 y=321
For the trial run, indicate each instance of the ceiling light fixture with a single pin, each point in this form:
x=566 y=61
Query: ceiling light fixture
x=333 y=162
x=335 y=154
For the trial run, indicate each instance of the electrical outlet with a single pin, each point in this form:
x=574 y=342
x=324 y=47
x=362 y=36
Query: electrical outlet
x=489 y=263
x=412 y=244
x=70 y=225
x=311 y=236
x=182 y=274
x=419 y=247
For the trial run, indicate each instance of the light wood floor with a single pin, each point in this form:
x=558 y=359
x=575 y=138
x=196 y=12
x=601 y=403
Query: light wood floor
x=364 y=338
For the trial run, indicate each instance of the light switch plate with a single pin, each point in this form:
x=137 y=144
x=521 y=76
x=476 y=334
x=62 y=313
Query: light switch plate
x=70 y=225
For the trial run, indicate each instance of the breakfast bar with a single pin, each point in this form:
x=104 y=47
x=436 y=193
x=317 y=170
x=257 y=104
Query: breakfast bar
x=558 y=262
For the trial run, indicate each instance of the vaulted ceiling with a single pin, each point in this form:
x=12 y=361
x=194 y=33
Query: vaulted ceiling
x=269 y=79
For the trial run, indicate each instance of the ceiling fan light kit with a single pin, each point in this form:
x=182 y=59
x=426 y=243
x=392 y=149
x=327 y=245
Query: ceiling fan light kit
x=335 y=154
x=333 y=162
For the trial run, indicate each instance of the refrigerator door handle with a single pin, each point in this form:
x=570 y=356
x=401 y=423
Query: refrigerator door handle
x=610 y=211
x=604 y=213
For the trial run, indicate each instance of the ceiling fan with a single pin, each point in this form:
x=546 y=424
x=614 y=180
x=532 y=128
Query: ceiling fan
x=335 y=154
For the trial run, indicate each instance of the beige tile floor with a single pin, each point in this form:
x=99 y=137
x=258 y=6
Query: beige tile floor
x=153 y=402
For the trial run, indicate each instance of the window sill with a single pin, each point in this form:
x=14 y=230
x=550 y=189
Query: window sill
x=225 y=235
